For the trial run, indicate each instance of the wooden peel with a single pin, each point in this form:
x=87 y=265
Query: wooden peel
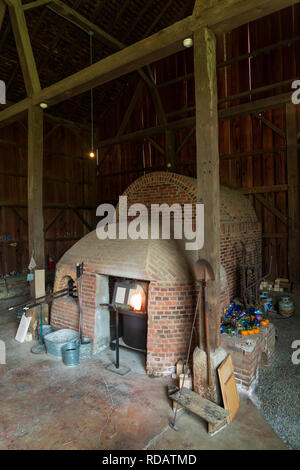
x=209 y=377
x=204 y=272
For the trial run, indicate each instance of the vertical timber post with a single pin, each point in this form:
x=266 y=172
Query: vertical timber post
x=208 y=179
x=35 y=187
x=293 y=193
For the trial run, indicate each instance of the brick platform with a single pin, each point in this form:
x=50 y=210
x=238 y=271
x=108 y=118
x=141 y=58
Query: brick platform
x=248 y=358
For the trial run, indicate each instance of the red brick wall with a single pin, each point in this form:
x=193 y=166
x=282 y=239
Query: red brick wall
x=246 y=363
x=65 y=311
x=171 y=308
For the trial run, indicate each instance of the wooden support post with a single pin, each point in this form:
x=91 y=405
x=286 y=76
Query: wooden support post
x=35 y=186
x=208 y=178
x=293 y=193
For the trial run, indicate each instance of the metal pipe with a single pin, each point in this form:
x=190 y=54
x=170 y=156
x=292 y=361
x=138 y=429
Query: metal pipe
x=117 y=339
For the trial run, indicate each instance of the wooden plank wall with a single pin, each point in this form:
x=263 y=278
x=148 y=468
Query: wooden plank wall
x=122 y=164
x=60 y=172
x=126 y=162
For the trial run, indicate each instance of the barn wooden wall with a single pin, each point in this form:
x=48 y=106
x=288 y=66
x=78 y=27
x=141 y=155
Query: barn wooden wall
x=66 y=177
x=68 y=174
x=241 y=79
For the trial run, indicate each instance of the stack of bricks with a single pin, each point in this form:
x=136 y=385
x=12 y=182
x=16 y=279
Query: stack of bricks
x=248 y=355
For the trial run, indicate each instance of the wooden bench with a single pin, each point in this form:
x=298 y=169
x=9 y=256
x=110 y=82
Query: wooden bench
x=206 y=409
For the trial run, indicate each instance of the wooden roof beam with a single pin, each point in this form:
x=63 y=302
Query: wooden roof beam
x=224 y=16
x=2 y=12
x=26 y=58
x=60 y=8
x=35 y=4
x=14 y=112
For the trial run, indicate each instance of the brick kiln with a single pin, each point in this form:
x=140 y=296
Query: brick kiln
x=162 y=265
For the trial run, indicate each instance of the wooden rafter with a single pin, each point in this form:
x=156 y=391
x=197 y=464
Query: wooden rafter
x=186 y=140
x=200 y=5
x=32 y=36
x=270 y=124
x=79 y=20
x=155 y=96
x=127 y=115
x=82 y=219
x=148 y=132
x=2 y=12
x=74 y=17
x=271 y=208
x=55 y=218
x=76 y=42
x=19 y=215
x=14 y=112
x=35 y=4
x=26 y=58
x=59 y=35
x=224 y=16
x=120 y=12
x=131 y=107
x=189 y=122
x=155 y=145
x=137 y=19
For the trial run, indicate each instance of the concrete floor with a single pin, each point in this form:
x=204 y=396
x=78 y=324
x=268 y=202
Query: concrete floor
x=46 y=405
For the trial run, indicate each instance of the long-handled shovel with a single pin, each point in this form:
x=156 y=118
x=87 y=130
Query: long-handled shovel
x=204 y=272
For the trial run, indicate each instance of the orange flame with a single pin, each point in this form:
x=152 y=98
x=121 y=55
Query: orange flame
x=136 y=301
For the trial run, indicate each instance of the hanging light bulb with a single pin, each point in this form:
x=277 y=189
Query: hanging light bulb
x=92 y=153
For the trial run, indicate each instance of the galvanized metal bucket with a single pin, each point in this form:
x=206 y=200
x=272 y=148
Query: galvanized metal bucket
x=70 y=353
x=57 y=339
